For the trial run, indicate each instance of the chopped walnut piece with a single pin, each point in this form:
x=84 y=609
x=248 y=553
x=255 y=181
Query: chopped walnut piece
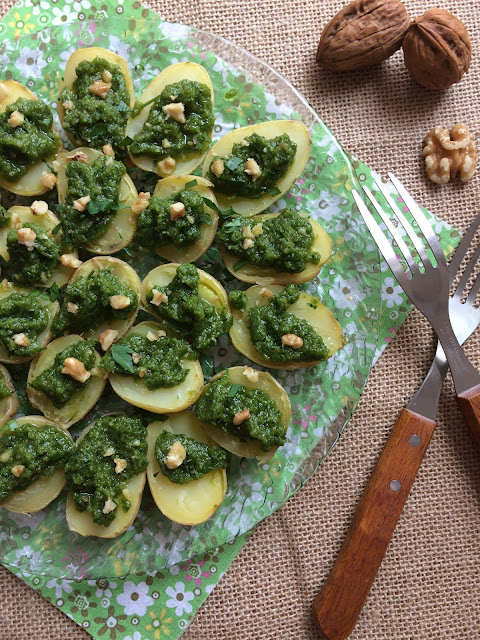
x=27 y=237
x=109 y=506
x=244 y=143
x=175 y=456
x=241 y=416
x=248 y=243
x=109 y=452
x=218 y=167
x=15 y=220
x=17 y=470
x=75 y=369
x=177 y=210
x=21 y=339
x=72 y=307
x=166 y=144
x=252 y=168
x=107 y=338
x=166 y=166
x=176 y=110
x=108 y=150
x=158 y=297
x=6 y=455
x=291 y=340
x=448 y=153
x=48 y=179
x=81 y=203
x=257 y=230
x=39 y=207
x=247 y=232
x=250 y=374
x=78 y=157
x=142 y=373
x=120 y=465
x=141 y=203
x=135 y=358
x=119 y=302
x=106 y=75
x=16 y=119
x=265 y=293
x=70 y=260
x=152 y=336
x=4 y=92
x=100 y=89
x=67 y=105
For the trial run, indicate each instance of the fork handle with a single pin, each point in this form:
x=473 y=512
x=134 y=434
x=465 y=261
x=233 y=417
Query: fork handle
x=340 y=601
x=469 y=403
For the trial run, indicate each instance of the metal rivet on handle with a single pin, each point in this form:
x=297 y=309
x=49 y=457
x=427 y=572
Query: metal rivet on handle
x=415 y=441
x=395 y=485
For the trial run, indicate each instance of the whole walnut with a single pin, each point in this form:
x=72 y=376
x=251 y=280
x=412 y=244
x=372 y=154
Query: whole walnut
x=437 y=49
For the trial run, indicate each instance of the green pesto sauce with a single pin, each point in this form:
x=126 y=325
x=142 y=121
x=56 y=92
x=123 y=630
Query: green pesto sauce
x=193 y=136
x=22 y=147
x=41 y=450
x=59 y=387
x=267 y=324
x=285 y=243
x=273 y=157
x=4 y=217
x=5 y=391
x=155 y=228
x=187 y=313
x=222 y=400
x=238 y=299
x=160 y=363
x=96 y=121
x=91 y=476
x=201 y=458
x=92 y=294
x=101 y=181
x=31 y=267
x=28 y=314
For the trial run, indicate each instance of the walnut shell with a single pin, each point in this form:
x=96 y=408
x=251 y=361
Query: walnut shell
x=437 y=49
x=363 y=33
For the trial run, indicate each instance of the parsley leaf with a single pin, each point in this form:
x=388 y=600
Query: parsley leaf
x=192 y=183
x=122 y=106
x=99 y=129
x=210 y=204
x=240 y=263
x=53 y=292
x=123 y=356
x=206 y=362
x=56 y=228
x=233 y=390
x=233 y=163
x=206 y=219
x=273 y=191
x=101 y=205
x=127 y=141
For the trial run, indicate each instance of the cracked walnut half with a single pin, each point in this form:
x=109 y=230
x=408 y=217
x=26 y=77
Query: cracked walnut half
x=447 y=153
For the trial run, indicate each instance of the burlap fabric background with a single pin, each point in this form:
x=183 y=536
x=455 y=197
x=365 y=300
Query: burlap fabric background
x=428 y=585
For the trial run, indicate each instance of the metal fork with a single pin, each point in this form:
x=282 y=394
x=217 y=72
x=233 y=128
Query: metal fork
x=341 y=599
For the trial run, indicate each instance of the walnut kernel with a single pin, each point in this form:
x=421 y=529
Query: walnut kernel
x=448 y=153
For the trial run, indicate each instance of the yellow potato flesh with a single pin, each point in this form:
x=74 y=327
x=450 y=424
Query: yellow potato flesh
x=9 y=404
x=6 y=289
x=296 y=131
x=164 y=399
x=29 y=184
x=250 y=448
x=264 y=276
x=172 y=74
x=321 y=319
x=169 y=186
x=43 y=491
x=47 y=222
x=121 y=229
x=81 y=402
x=196 y=501
x=126 y=275
x=208 y=288
x=70 y=75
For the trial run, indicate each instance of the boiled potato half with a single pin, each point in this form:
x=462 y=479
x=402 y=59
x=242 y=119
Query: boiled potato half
x=196 y=501
x=69 y=76
x=121 y=229
x=81 y=402
x=30 y=183
x=6 y=289
x=250 y=448
x=82 y=522
x=126 y=275
x=175 y=184
x=23 y=215
x=307 y=307
x=265 y=276
x=9 y=404
x=296 y=131
x=42 y=492
x=174 y=73
x=163 y=399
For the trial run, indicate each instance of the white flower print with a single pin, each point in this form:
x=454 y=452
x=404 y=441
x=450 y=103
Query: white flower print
x=63 y=15
x=136 y=636
x=345 y=293
x=119 y=47
x=60 y=586
x=102 y=592
x=135 y=598
x=30 y=63
x=391 y=292
x=180 y=599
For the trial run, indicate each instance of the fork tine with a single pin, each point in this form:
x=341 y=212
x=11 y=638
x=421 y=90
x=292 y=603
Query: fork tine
x=466 y=275
x=462 y=248
x=379 y=237
x=421 y=220
x=472 y=296
x=393 y=231
x=417 y=243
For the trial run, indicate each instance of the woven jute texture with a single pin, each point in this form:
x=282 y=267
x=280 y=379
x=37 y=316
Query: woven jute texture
x=428 y=585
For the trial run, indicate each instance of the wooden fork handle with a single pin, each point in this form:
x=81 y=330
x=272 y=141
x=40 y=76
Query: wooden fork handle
x=341 y=599
x=469 y=403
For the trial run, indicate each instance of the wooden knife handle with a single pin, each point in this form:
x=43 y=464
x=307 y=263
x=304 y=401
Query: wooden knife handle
x=340 y=601
x=469 y=403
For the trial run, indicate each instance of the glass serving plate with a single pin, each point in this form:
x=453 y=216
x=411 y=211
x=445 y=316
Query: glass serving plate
x=323 y=398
